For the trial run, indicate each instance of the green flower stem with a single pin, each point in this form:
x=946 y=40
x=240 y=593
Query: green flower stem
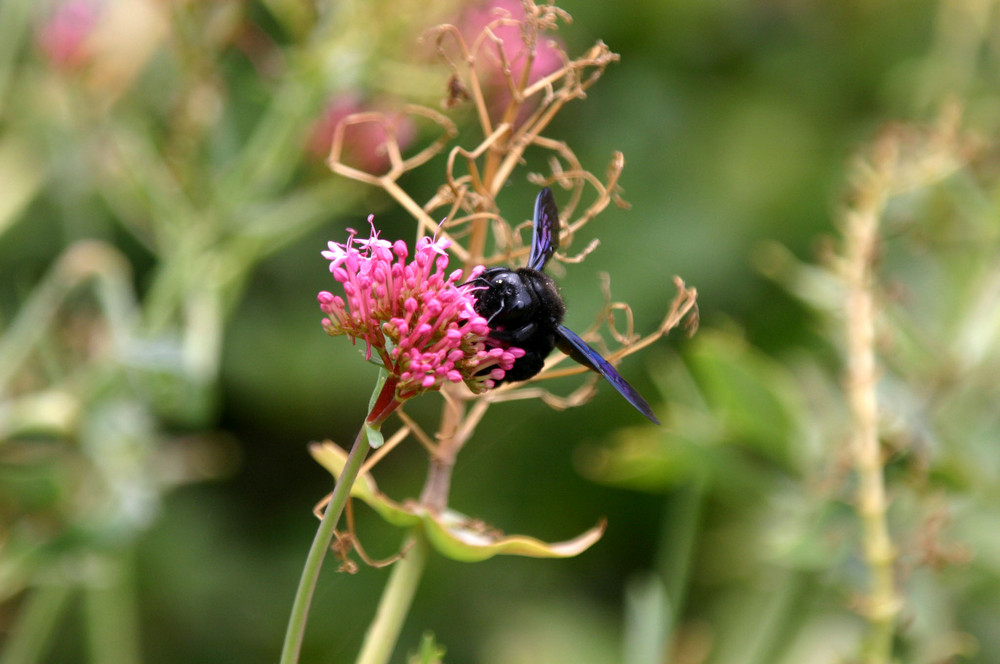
x=677 y=550
x=320 y=545
x=15 y=23
x=380 y=640
x=31 y=632
x=112 y=615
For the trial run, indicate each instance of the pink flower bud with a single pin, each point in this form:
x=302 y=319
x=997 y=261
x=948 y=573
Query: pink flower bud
x=63 y=38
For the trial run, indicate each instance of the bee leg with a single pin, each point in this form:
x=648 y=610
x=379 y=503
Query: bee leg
x=516 y=337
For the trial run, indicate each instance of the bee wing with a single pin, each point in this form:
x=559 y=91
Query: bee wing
x=570 y=343
x=545 y=230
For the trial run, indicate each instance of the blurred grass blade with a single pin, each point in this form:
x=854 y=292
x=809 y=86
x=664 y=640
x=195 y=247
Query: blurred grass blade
x=20 y=172
x=649 y=619
x=81 y=262
x=29 y=636
x=13 y=26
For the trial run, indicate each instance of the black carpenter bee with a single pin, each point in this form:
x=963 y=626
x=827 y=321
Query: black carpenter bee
x=524 y=309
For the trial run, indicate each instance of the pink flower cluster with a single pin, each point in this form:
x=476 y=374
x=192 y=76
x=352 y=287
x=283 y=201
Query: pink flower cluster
x=420 y=321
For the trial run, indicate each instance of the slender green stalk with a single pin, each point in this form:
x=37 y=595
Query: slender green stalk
x=14 y=26
x=654 y=601
x=776 y=620
x=678 y=541
x=321 y=543
x=380 y=640
x=30 y=634
x=112 y=616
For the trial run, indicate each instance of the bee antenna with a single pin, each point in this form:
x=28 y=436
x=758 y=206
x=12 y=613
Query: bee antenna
x=480 y=281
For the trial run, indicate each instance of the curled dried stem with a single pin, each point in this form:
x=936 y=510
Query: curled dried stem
x=683 y=309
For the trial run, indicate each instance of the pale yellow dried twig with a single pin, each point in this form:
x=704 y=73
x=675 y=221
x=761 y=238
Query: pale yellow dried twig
x=860 y=236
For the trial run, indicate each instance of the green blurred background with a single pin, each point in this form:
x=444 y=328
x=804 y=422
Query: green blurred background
x=731 y=534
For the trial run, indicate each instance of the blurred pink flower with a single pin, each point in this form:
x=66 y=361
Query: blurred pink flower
x=364 y=142
x=420 y=321
x=63 y=38
x=547 y=54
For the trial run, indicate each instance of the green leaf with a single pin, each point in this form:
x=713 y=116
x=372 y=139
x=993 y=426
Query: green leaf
x=430 y=651
x=452 y=533
x=379 y=382
x=375 y=437
x=754 y=398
